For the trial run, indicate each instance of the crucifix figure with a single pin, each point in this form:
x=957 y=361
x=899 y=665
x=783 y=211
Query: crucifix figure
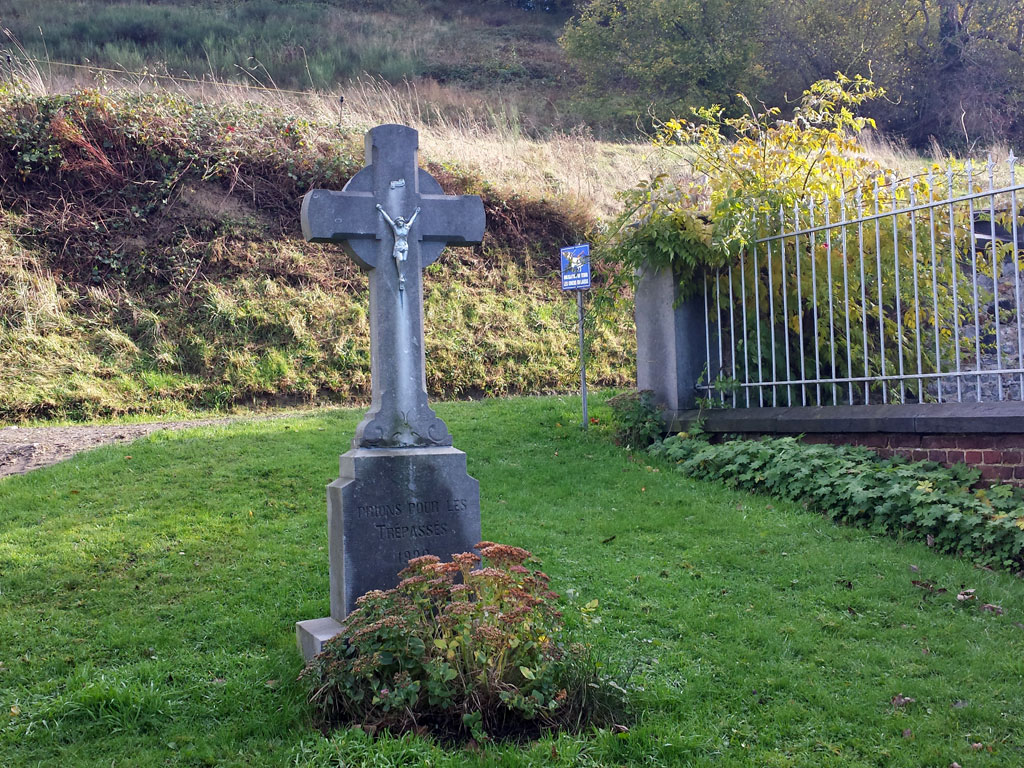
x=357 y=218
x=401 y=229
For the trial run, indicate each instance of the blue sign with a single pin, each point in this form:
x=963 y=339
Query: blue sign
x=576 y=268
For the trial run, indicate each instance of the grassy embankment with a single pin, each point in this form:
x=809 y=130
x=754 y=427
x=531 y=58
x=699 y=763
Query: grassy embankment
x=149 y=593
x=151 y=257
x=476 y=55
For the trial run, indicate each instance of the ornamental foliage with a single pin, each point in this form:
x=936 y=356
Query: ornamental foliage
x=473 y=648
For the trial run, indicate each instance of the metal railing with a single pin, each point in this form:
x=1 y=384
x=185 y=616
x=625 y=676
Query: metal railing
x=908 y=292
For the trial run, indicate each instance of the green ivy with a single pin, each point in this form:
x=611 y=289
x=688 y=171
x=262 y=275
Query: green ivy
x=853 y=485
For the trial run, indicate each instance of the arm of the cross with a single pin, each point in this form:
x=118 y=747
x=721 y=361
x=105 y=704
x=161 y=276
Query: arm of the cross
x=456 y=220
x=334 y=217
x=447 y=220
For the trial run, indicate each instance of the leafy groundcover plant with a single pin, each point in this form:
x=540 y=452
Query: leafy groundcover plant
x=468 y=649
x=850 y=484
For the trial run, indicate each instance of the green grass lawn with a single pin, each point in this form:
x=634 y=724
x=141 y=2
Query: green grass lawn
x=148 y=595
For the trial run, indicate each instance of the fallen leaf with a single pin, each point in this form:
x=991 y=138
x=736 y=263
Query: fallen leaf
x=271 y=683
x=15 y=710
x=914 y=568
x=989 y=608
x=977 y=745
x=899 y=701
x=965 y=594
x=930 y=540
x=127 y=458
x=620 y=729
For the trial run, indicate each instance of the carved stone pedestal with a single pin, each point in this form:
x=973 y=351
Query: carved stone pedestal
x=387 y=507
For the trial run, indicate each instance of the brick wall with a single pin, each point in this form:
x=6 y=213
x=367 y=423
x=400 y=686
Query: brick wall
x=989 y=436
x=999 y=457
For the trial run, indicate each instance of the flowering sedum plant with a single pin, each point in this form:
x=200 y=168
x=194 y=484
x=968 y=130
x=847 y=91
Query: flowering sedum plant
x=468 y=648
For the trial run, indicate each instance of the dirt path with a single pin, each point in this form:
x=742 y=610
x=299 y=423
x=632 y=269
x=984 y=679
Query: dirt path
x=23 y=449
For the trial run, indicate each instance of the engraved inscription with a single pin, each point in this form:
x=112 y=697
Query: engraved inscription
x=407 y=520
x=396 y=532
x=402 y=508
x=370 y=511
x=405 y=555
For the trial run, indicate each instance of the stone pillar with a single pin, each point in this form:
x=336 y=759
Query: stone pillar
x=670 y=343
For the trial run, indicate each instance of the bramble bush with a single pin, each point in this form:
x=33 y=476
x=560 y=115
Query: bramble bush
x=853 y=485
x=734 y=171
x=637 y=418
x=472 y=648
x=116 y=164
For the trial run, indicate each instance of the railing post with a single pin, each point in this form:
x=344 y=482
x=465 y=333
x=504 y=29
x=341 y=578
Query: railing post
x=670 y=344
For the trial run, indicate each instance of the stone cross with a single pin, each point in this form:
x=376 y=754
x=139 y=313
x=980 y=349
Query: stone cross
x=402 y=490
x=394 y=219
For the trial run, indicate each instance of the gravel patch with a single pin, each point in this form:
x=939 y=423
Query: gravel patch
x=23 y=449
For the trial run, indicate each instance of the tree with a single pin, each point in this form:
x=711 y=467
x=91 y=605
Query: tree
x=971 y=87
x=670 y=54
x=953 y=69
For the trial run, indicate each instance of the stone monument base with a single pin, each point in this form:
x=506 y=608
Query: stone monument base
x=388 y=506
x=311 y=635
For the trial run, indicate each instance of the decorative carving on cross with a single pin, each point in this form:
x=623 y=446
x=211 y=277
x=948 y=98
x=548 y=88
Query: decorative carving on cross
x=358 y=218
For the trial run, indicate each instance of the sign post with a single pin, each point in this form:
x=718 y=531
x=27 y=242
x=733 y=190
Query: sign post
x=576 y=277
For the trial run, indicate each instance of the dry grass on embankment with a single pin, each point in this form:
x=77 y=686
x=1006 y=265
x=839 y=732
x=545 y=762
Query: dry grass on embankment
x=151 y=259
x=487 y=132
